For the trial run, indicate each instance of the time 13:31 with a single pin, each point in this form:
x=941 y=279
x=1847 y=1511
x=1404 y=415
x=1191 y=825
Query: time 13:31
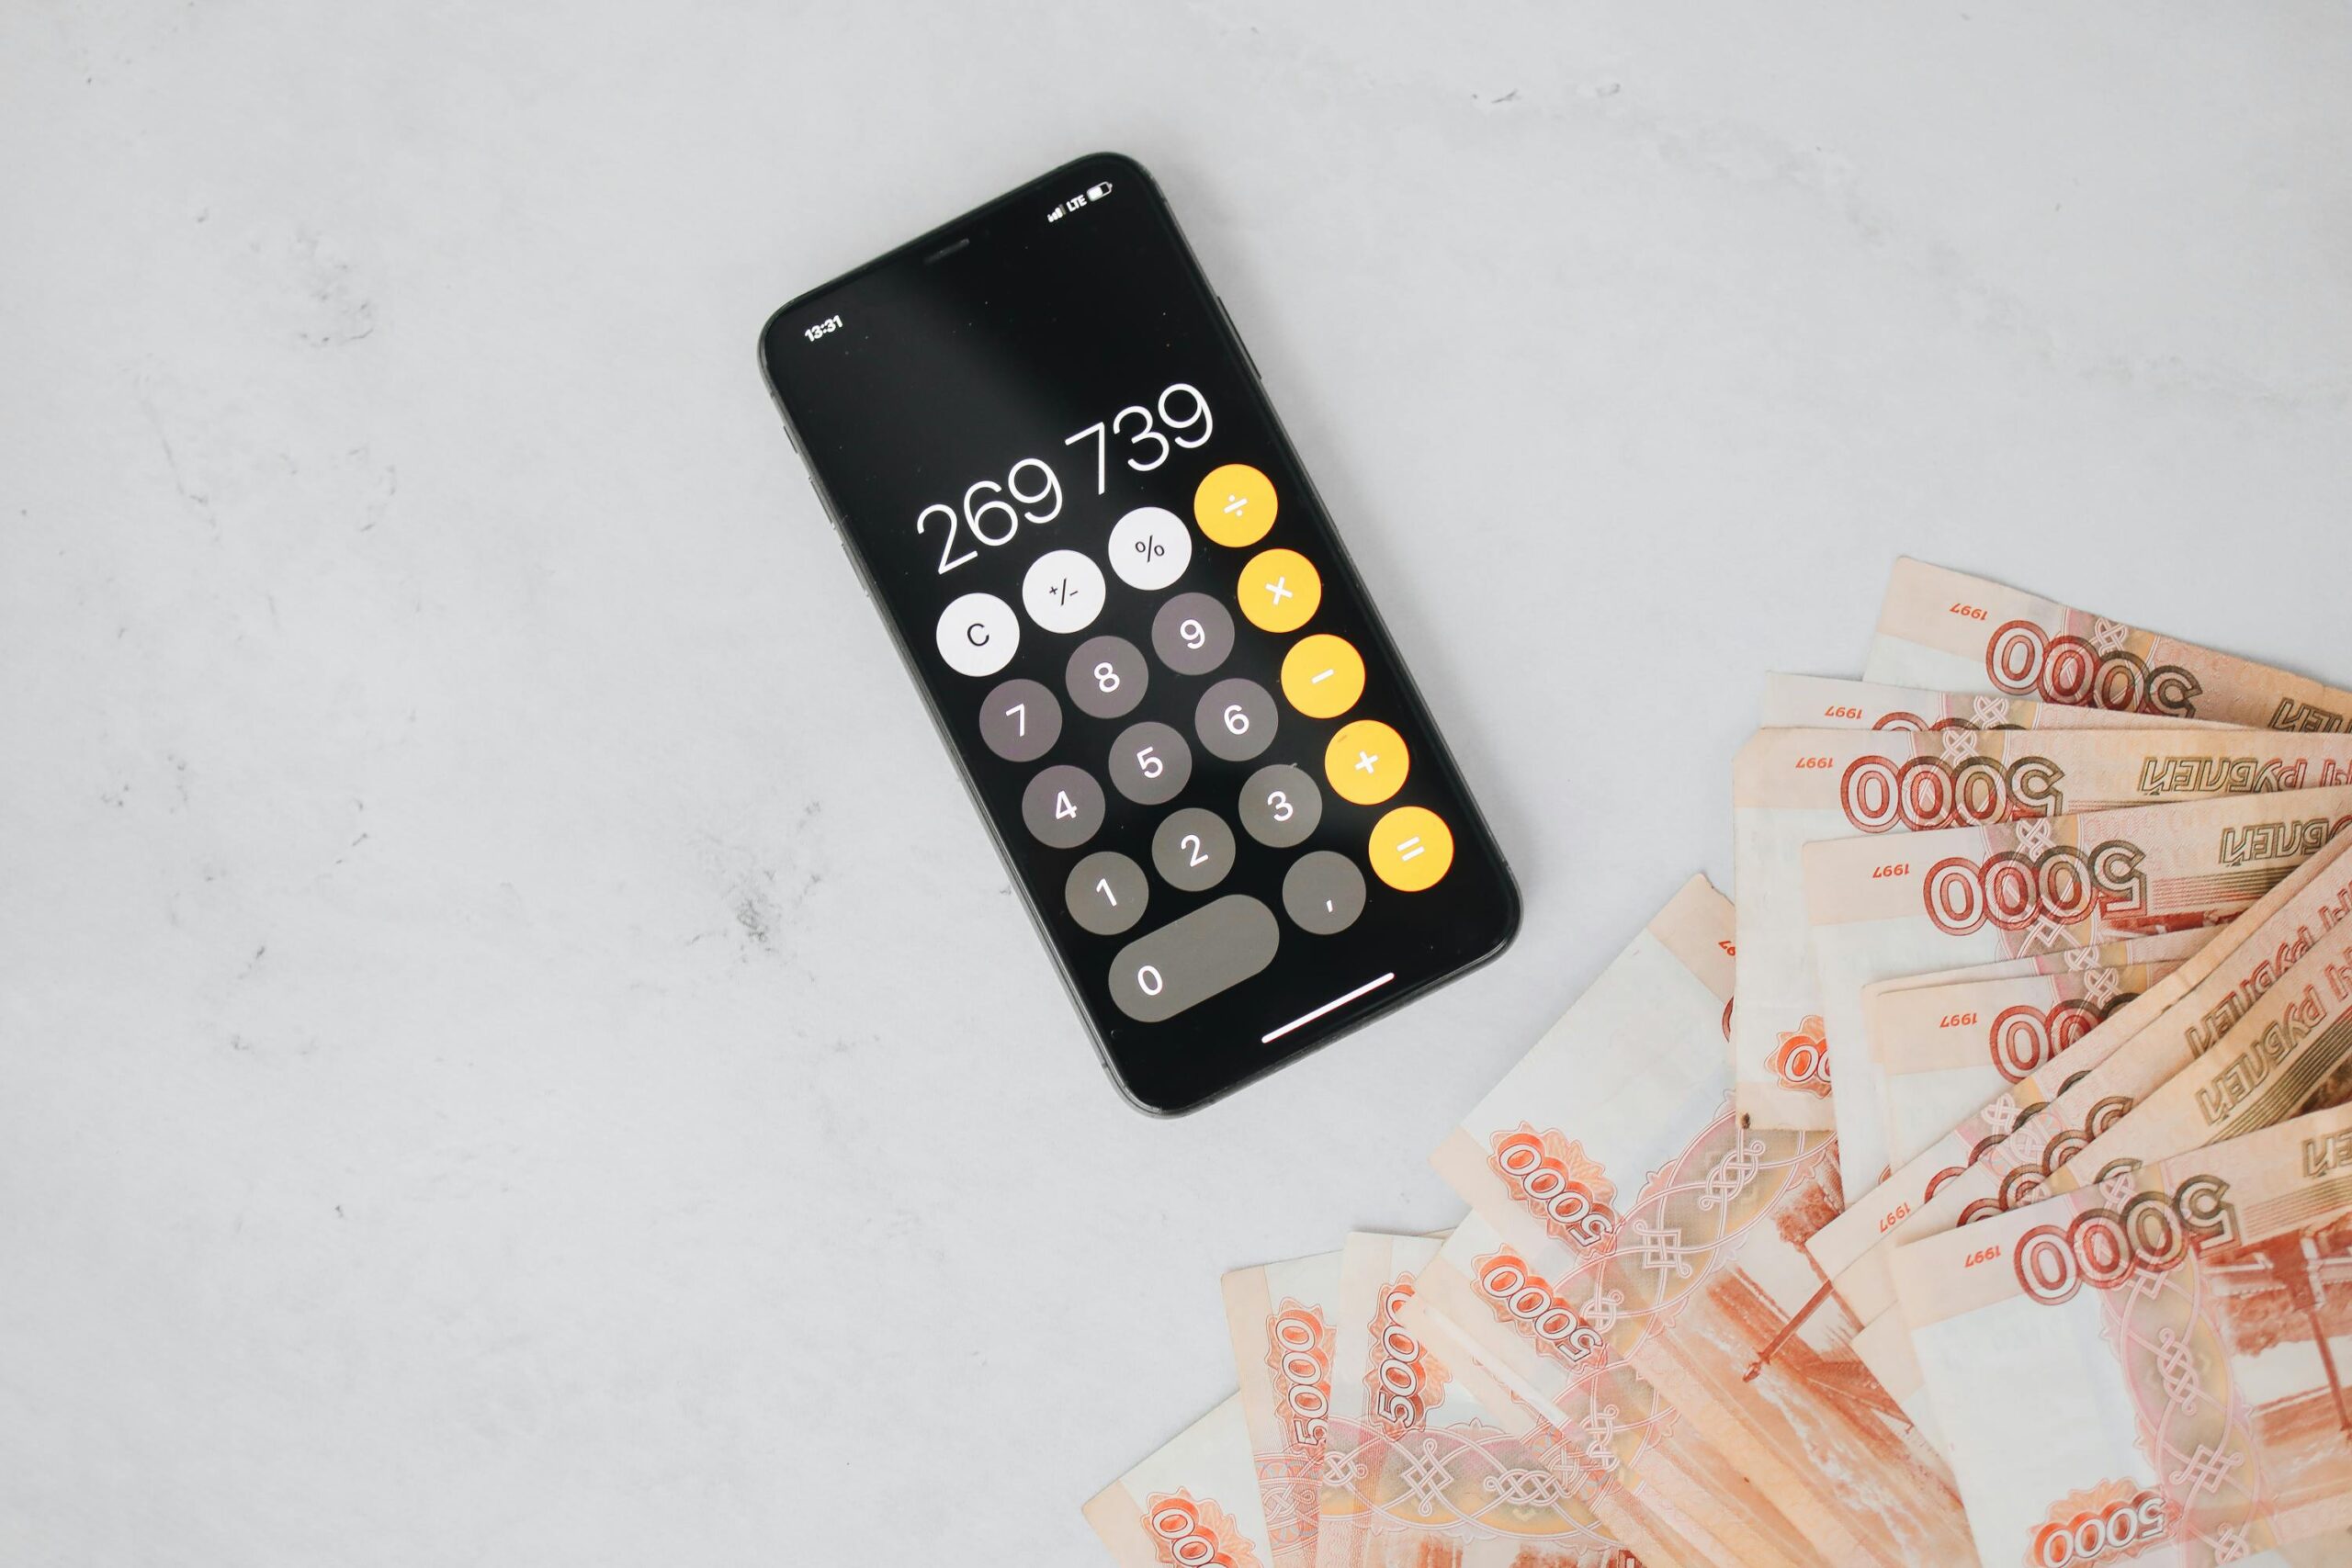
x=1182 y=420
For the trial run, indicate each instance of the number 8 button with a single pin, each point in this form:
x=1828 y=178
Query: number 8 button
x=1106 y=677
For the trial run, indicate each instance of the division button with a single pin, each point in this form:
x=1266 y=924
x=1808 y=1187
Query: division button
x=1280 y=806
x=1150 y=547
x=1366 y=763
x=1235 y=505
x=1062 y=807
x=1192 y=634
x=1234 y=719
x=979 y=635
x=1412 y=849
x=1062 y=590
x=1020 y=720
x=1323 y=675
x=1193 y=850
x=1106 y=676
x=1187 y=961
x=1279 y=590
x=1150 y=764
x=1323 y=893
x=1106 y=893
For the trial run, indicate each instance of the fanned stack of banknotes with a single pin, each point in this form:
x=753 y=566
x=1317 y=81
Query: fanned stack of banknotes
x=2005 y=1217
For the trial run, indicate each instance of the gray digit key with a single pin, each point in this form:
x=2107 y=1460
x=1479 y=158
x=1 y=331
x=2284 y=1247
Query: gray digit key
x=1280 y=806
x=1150 y=764
x=1192 y=634
x=1187 y=961
x=1193 y=850
x=1020 y=720
x=1062 y=806
x=1323 y=892
x=1106 y=893
x=1106 y=676
x=1234 y=719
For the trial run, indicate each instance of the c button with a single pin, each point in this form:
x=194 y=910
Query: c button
x=979 y=635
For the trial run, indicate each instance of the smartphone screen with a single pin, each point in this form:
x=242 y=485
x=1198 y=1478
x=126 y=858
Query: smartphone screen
x=1056 y=470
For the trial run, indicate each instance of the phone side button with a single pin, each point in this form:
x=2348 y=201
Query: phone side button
x=1187 y=961
x=1229 y=327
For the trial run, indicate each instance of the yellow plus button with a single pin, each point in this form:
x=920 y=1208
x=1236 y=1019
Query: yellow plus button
x=1235 y=505
x=1323 y=675
x=1366 y=763
x=1280 y=590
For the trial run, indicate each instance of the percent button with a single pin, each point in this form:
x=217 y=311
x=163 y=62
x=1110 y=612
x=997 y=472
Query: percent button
x=1150 y=547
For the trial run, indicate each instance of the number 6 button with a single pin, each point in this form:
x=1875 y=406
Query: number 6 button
x=1234 y=719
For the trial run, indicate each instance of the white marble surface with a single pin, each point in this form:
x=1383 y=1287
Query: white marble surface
x=467 y=1094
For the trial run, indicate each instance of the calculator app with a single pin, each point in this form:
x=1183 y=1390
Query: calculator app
x=1205 y=763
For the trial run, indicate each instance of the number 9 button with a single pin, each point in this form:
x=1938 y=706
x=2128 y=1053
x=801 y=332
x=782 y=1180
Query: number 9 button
x=1192 y=634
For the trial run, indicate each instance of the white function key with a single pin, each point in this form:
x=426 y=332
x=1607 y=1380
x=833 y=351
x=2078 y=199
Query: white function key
x=979 y=635
x=1150 y=547
x=1063 y=592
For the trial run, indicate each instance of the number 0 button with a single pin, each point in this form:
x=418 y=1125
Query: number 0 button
x=1062 y=806
x=1234 y=719
x=1106 y=893
x=1106 y=676
x=1150 y=764
x=1189 y=960
x=1020 y=720
x=1280 y=590
x=1366 y=763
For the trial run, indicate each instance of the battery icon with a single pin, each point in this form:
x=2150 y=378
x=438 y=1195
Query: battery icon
x=1096 y=193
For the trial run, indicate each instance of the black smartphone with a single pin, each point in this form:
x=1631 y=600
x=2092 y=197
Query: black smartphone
x=1053 y=466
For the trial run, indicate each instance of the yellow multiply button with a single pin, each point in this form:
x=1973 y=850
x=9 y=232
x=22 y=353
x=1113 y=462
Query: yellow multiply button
x=1323 y=675
x=1279 y=590
x=1235 y=505
x=1366 y=763
x=1412 y=849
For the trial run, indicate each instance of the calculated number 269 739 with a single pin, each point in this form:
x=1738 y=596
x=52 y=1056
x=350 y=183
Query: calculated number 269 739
x=1178 y=417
